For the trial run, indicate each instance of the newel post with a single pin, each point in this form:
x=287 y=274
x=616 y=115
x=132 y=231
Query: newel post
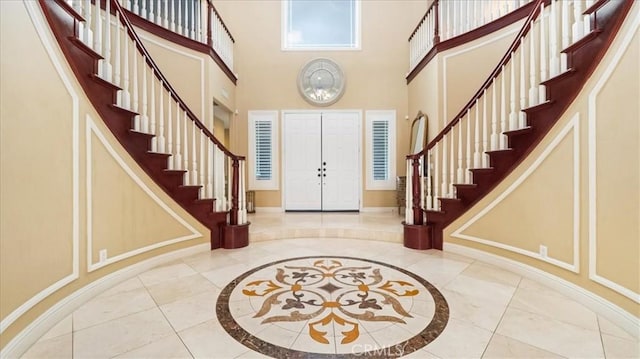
x=415 y=185
x=235 y=179
x=436 y=25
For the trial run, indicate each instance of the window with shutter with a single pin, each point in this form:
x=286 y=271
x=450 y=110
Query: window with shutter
x=263 y=129
x=381 y=144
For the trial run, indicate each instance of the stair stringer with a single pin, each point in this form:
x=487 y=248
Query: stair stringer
x=103 y=96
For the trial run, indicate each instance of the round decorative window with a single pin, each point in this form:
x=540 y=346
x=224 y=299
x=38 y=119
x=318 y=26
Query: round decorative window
x=321 y=82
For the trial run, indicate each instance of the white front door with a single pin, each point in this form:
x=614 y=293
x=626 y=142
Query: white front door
x=322 y=161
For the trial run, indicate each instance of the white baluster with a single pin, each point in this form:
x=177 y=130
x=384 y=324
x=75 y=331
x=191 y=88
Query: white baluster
x=243 y=202
x=192 y=7
x=429 y=195
x=586 y=19
x=154 y=139
x=172 y=23
x=202 y=164
x=577 y=29
x=566 y=35
x=161 y=139
x=554 y=51
x=522 y=116
x=97 y=38
x=468 y=15
x=127 y=4
x=423 y=205
x=485 y=132
x=158 y=12
x=135 y=94
x=210 y=165
x=448 y=23
x=177 y=158
x=144 y=119
x=194 y=156
x=143 y=9
x=445 y=166
x=179 y=19
x=436 y=179
x=117 y=74
x=460 y=175
x=408 y=213
x=199 y=21
x=126 y=94
x=494 y=117
x=477 y=154
x=136 y=7
x=503 y=109
x=542 y=89
x=452 y=166
x=456 y=22
x=165 y=14
x=513 y=115
x=151 y=16
x=87 y=25
x=185 y=144
x=476 y=13
x=533 y=71
x=169 y=132
x=467 y=173
x=107 y=41
x=230 y=184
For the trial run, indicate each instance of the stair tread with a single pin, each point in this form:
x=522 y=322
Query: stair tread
x=175 y=172
x=84 y=47
x=465 y=185
x=204 y=200
x=518 y=132
x=586 y=38
x=505 y=150
x=482 y=169
x=104 y=82
x=126 y=110
x=593 y=8
x=558 y=77
x=69 y=9
x=539 y=106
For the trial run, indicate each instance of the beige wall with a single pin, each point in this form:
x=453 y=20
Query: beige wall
x=45 y=230
x=578 y=192
x=375 y=74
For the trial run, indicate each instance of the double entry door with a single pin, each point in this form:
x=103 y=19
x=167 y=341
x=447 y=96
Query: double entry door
x=322 y=161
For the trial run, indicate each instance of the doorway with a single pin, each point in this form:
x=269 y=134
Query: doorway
x=322 y=161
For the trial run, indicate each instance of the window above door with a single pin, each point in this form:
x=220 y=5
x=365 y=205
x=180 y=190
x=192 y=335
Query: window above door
x=321 y=24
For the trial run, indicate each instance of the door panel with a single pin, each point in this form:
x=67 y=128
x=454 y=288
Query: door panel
x=302 y=154
x=314 y=139
x=340 y=140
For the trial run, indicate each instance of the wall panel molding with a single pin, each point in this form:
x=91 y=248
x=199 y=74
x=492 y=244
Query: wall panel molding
x=49 y=44
x=92 y=129
x=574 y=127
x=592 y=166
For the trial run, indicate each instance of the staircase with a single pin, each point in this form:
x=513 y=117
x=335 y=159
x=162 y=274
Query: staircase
x=537 y=79
x=148 y=118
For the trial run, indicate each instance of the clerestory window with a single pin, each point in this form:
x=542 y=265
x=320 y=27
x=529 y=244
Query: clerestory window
x=321 y=24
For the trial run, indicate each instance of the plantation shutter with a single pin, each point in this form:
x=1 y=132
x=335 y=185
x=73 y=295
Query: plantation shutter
x=263 y=146
x=380 y=147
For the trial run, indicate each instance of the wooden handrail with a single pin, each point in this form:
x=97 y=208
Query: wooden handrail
x=211 y=6
x=165 y=83
x=433 y=4
x=494 y=74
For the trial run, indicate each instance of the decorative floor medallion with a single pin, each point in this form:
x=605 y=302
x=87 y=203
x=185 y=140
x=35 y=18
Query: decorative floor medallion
x=332 y=307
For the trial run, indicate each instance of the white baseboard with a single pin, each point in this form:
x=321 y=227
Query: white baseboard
x=625 y=320
x=36 y=329
x=379 y=209
x=269 y=209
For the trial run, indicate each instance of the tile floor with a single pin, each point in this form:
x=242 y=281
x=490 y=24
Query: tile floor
x=170 y=311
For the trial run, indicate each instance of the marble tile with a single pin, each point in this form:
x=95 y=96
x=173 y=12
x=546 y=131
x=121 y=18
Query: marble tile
x=121 y=335
x=607 y=327
x=484 y=313
x=364 y=343
x=277 y=335
x=306 y=344
x=615 y=347
x=550 y=334
x=126 y=286
x=102 y=309
x=421 y=354
x=555 y=306
x=222 y=276
x=172 y=290
x=252 y=355
x=203 y=262
x=438 y=271
x=170 y=347
x=57 y=347
x=501 y=347
x=489 y=273
x=166 y=273
x=209 y=340
x=190 y=311
x=65 y=326
x=392 y=336
x=451 y=345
